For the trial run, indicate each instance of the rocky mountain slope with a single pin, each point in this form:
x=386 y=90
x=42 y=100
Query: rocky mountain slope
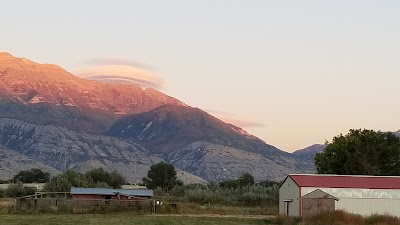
x=170 y=127
x=11 y=162
x=309 y=152
x=216 y=162
x=56 y=147
x=185 y=133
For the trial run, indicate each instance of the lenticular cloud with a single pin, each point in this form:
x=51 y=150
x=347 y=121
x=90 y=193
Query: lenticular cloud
x=121 y=74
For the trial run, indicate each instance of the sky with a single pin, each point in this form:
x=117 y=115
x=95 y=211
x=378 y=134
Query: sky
x=293 y=73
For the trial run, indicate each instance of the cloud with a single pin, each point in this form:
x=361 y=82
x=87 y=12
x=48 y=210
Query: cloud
x=118 y=61
x=121 y=74
x=240 y=123
x=229 y=118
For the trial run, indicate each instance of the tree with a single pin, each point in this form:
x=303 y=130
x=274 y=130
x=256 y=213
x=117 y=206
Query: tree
x=161 y=175
x=99 y=178
x=63 y=182
x=100 y=175
x=361 y=152
x=229 y=184
x=33 y=175
x=246 y=180
x=15 y=190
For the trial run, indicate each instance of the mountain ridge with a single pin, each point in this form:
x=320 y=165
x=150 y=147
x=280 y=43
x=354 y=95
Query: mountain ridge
x=47 y=113
x=46 y=87
x=60 y=148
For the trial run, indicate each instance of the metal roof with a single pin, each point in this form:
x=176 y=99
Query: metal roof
x=346 y=181
x=107 y=191
x=318 y=194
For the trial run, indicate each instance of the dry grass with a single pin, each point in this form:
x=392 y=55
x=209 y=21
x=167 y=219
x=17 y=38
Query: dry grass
x=6 y=201
x=194 y=208
x=339 y=218
x=6 y=205
x=122 y=219
x=334 y=218
x=382 y=220
x=286 y=220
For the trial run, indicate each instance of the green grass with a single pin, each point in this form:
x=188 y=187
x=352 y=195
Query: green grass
x=122 y=219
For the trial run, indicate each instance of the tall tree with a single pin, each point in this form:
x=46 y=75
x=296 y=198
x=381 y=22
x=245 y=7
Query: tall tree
x=246 y=180
x=32 y=175
x=63 y=182
x=362 y=152
x=161 y=175
x=113 y=179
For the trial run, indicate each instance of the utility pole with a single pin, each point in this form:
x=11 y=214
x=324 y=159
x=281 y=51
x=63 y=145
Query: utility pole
x=65 y=161
x=65 y=158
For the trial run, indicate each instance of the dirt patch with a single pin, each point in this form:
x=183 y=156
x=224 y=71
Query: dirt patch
x=5 y=202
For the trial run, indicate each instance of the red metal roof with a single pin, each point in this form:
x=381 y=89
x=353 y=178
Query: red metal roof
x=346 y=181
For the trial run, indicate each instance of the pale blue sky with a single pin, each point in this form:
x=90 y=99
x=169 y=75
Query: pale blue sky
x=307 y=70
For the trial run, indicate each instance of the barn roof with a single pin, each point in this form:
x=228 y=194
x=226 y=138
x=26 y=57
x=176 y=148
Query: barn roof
x=318 y=194
x=346 y=181
x=107 y=191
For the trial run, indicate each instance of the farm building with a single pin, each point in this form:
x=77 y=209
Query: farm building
x=307 y=194
x=110 y=194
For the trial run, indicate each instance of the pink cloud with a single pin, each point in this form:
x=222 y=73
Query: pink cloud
x=121 y=74
x=229 y=118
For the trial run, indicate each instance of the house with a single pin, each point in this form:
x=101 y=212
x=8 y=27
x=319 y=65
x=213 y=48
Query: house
x=307 y=194
x=110 y=194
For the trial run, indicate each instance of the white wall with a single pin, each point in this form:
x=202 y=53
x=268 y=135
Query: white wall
x=363 y=201
x=289 y=190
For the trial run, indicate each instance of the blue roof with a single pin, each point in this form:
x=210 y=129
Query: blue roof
x=107 y=191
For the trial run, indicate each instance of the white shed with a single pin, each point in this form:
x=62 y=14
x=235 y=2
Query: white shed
x=364 y=195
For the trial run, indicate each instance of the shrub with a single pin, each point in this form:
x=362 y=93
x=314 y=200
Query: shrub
x=256 y=195
x=16 y=190
x=178 y=191
x=334 y=218
x=382 y=220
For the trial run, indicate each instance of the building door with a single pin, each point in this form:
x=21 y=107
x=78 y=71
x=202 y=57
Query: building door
x=286 y=206
x=108 y=199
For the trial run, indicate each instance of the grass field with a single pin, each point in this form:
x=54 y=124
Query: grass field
x=122 y=219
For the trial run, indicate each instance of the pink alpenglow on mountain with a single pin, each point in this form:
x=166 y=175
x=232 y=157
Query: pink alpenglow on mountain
x=53 y=94
x=31 y=83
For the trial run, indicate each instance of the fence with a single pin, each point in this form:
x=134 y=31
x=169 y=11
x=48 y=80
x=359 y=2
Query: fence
x=139 y=206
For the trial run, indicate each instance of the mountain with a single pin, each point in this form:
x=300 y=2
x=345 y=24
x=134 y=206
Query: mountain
x=310 y=150
x=210 y=145
x=51 y=116
x=215 y=162
x=48 y=94
x=11 y=162
x=170 y=127
x=397 y=133
x=57 y=147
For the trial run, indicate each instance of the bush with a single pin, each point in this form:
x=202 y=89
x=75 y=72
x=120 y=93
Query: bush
x=382 y=220
x=256 y=195
x=338 y=217
x=16 y=190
